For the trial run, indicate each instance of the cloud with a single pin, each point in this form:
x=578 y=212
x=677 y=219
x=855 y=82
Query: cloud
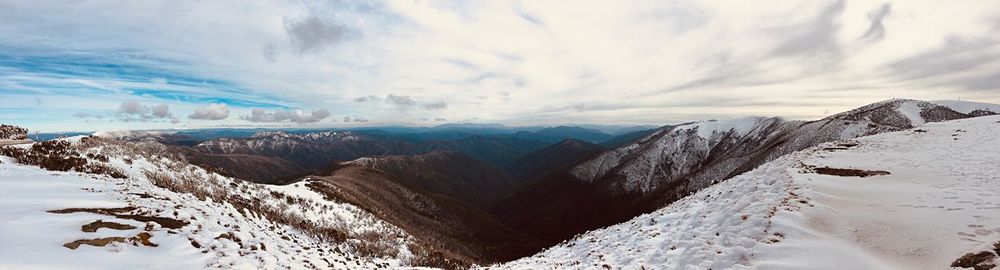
x=818 y=36
x=400 y=100
x=133 y=111
x=87 y=115
x=437 y=105
x=404 y=102
x=877 y=30
x=348 y=119
x=519 y=63
x=312 y=34
x=297 y=116
x=132 y=107
x=367 y=99
x=212 y=111
x=161 y=111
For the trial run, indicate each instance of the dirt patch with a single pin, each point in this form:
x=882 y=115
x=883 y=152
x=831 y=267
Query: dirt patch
x=143 y=239
x=231 y=237
x=978 y=261
x=139 y=239
x=168 y=223
x=99 y=211
x=99 y=242
x=848 y=172
x=848 y=144
x=841 y=146
x=94 y=226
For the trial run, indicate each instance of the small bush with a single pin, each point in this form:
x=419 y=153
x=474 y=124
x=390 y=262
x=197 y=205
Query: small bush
x=8 y=132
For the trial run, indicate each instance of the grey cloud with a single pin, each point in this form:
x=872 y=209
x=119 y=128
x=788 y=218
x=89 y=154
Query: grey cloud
x=161 y=111
x=530 y=18
x=818 y=36
x=270 y=53
x=132 y=107
x=877 y=30
x=404 y=102
x=297 y=116
x=400 y=100
x=460 y=63
x=437 y=105
x=367 y=99
x=132 y=110
x=440 y=119
x=348 y=119
x=87 y=115
x=313 y=34
x=959 y=62
x=211 y=112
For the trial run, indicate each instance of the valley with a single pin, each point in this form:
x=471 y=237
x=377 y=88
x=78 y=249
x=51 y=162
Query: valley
x=505 y=198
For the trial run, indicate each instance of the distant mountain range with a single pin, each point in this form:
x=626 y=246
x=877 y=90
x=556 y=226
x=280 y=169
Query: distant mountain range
x=458 y=197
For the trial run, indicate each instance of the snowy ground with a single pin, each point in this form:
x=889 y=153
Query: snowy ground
x=941 y=200
x=211 y=234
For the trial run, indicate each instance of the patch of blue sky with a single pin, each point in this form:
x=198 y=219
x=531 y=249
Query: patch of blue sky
x=69 y=73
x=189 y=98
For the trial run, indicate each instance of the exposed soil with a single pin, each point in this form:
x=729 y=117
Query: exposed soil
x=168 y=223
x=99 y=242
x=848 y=172
x=139 y=239
x=143 y=239
x=94 y=226
x=978 y=261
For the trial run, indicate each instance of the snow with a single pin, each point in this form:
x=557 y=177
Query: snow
x=739 y=126
x=676 y=152
x=941 y=200
x=912 y=112
x=33 y=238
x=968 y=106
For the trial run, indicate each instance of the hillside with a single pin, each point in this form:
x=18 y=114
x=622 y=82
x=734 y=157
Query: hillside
x=543 y=161
x=463 y=234
x=556 y=134
x=850 y=204
x=142 y=206
x=672 y=163
x=446 y=173
x=316 y=150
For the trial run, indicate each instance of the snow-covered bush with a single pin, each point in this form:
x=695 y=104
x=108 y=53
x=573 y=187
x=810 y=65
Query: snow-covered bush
x=8 y=132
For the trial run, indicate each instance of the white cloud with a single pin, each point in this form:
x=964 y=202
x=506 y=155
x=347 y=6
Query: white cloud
x=132 y=107
x=133 y=111
x=161 y=111
x=297 y=116
x=211 y=112
x=537 y=62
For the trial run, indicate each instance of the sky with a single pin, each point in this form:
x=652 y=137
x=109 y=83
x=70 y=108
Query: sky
x=98 y=65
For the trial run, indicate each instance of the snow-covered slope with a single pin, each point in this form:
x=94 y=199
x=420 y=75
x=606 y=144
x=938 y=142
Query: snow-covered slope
x=166 y=214
x=673 y=163
x=930 y=196
x=969 y=107
x=714 y=149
